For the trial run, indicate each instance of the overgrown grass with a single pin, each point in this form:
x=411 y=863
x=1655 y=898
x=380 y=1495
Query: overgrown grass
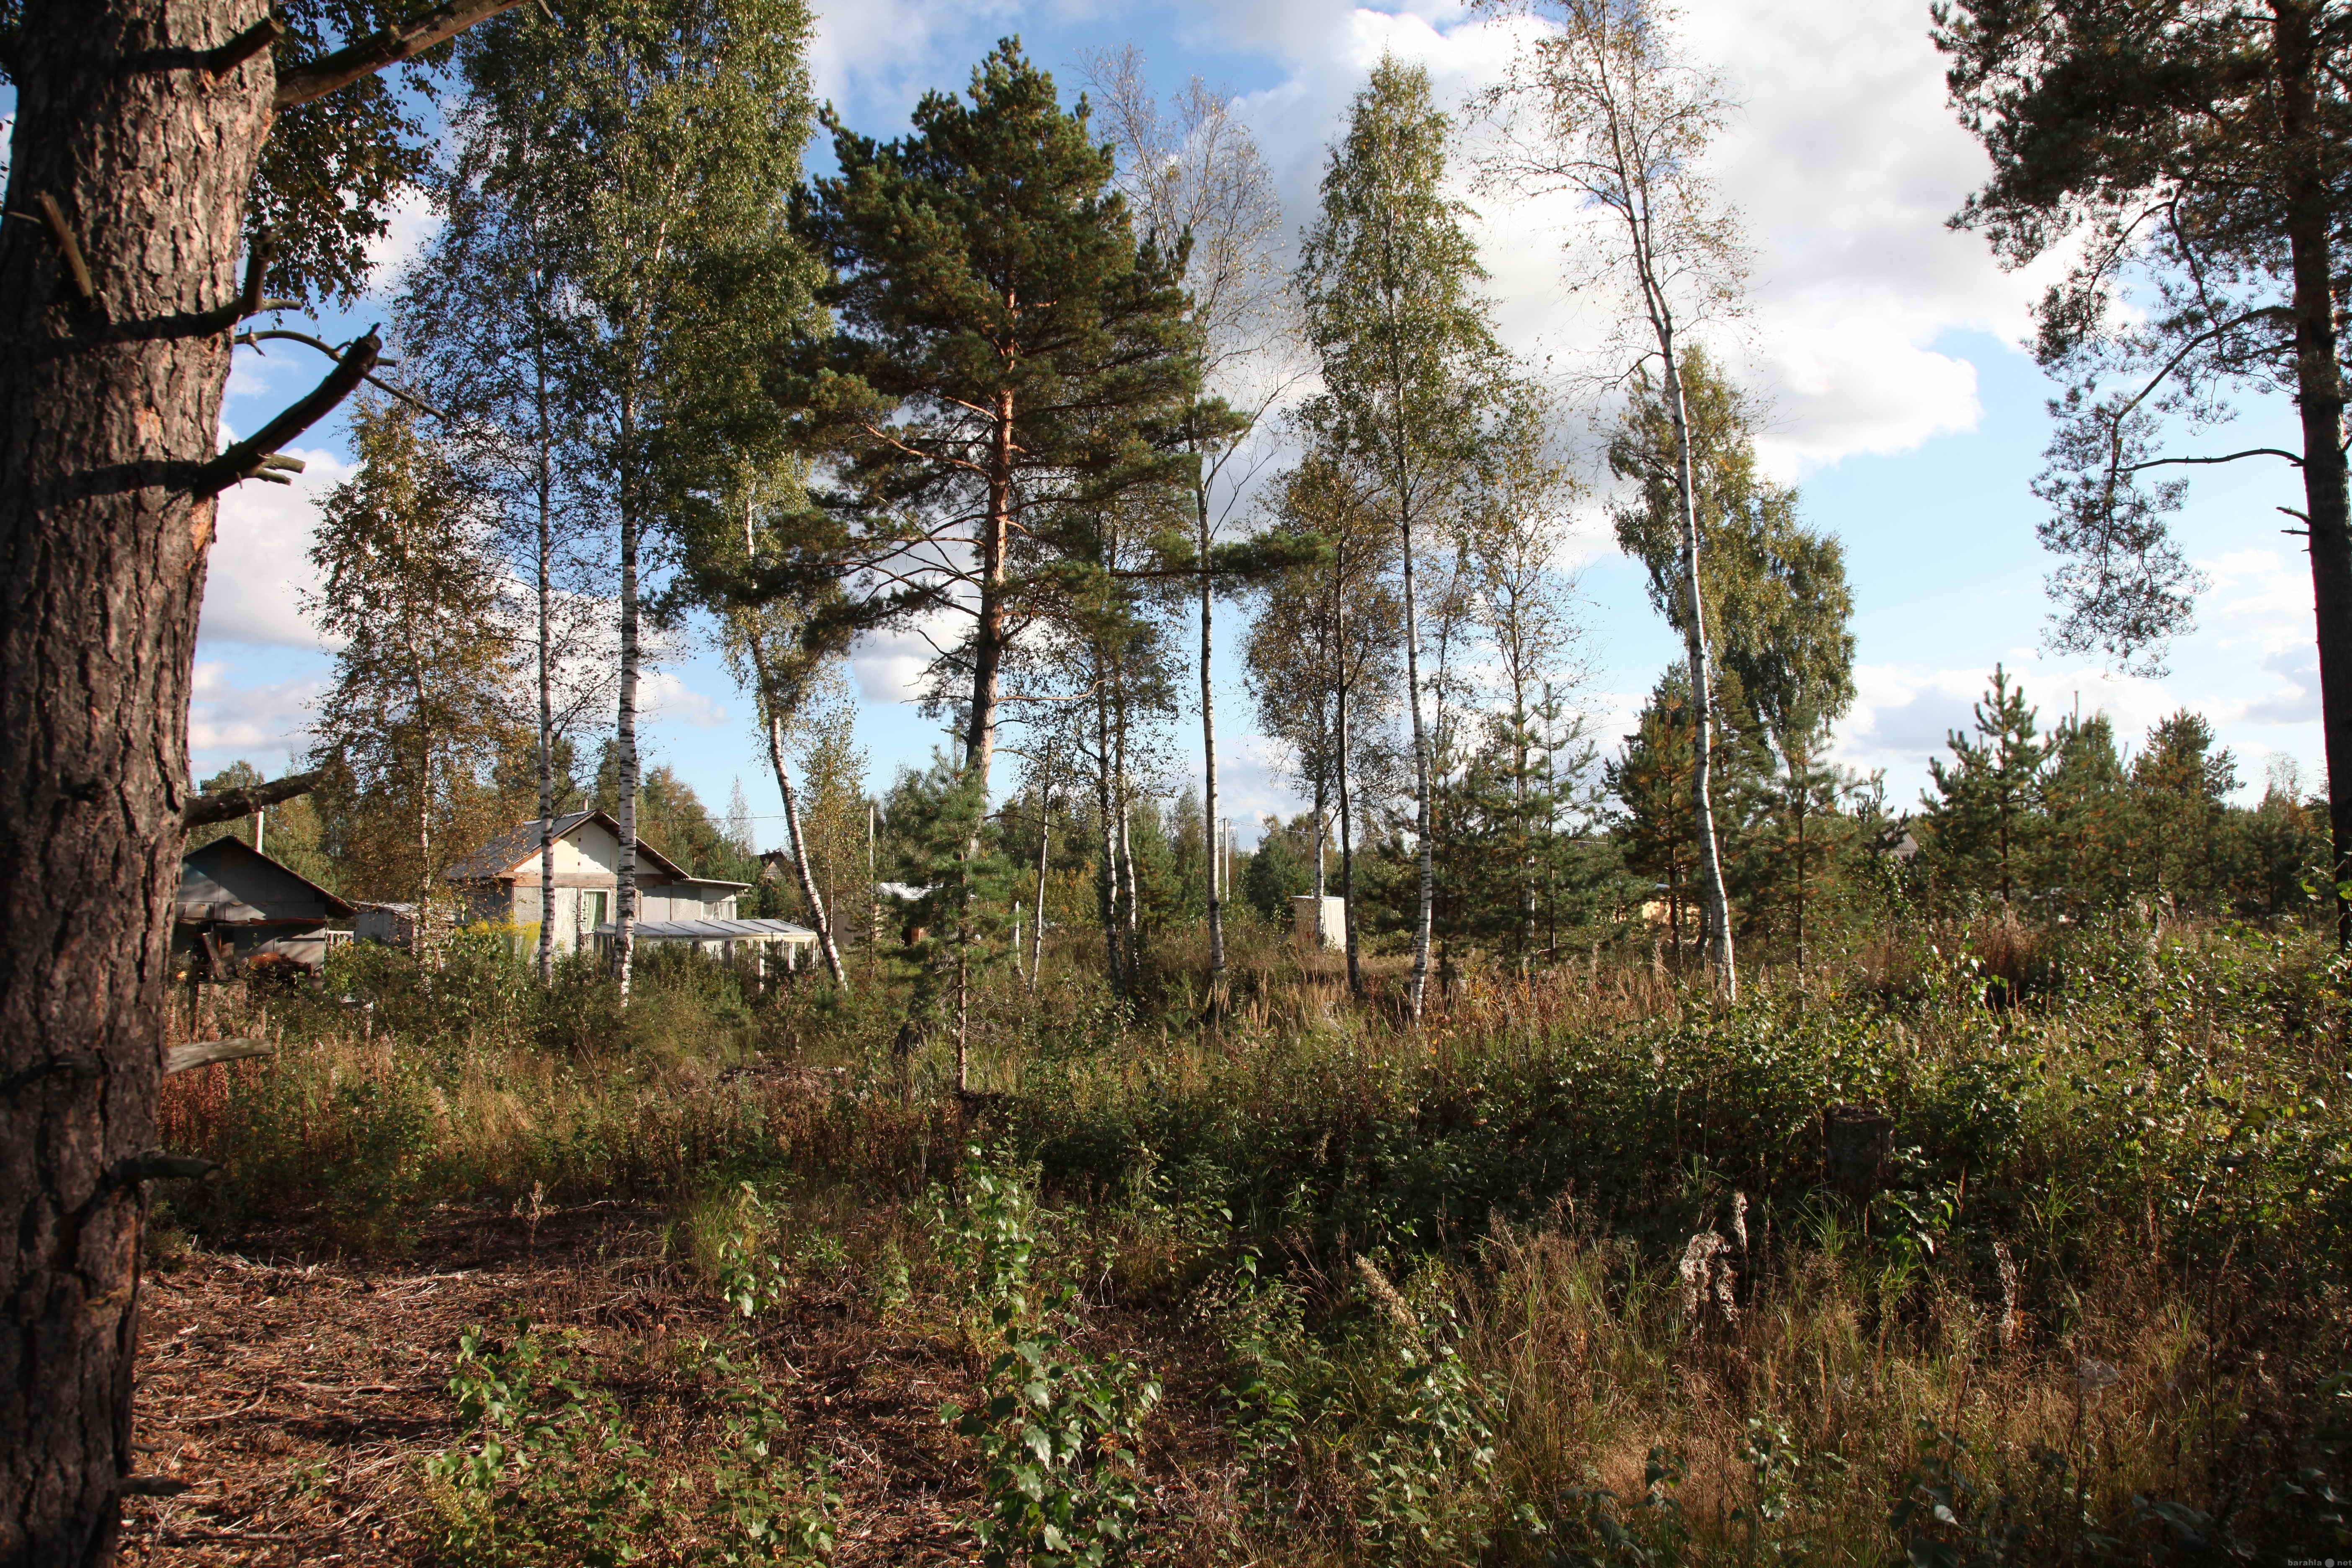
x=1562 y=1276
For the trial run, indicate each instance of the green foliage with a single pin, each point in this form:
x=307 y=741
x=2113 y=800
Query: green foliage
x=417 y=712
x=550 y=1473
x=1058 y=1428
x=1279 y=871
x=1774 y=591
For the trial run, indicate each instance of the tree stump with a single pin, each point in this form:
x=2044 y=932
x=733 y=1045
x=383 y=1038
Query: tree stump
x=1857 y=1142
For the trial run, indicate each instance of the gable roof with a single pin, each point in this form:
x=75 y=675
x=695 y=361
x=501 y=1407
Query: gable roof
x=504 y=855
x=268 y=886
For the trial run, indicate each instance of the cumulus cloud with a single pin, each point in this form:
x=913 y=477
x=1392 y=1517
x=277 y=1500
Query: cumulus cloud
x=890 y=665
x=410 y=226
x=663 y=697
x=268 y=719
x=260 y=565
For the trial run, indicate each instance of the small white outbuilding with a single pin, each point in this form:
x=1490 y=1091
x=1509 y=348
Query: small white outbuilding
x=1335 y=924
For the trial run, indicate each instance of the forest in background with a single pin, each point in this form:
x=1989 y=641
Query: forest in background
x=1688 y=1155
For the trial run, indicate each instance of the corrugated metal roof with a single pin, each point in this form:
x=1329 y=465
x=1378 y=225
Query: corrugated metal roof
x=715 y=931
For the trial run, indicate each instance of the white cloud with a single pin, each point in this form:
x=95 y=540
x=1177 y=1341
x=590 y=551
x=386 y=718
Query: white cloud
x=663 y=697
x=890 y=665
x=411 y=225
x=256 y=721
x=260 y=562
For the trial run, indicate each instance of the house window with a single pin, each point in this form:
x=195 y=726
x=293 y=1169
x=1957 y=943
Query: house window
x=591 y=909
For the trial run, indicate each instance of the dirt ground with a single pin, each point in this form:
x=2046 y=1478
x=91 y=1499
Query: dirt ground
x=296 y=1400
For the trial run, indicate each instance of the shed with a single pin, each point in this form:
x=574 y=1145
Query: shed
x=236 y=903
x=1335 y=924
x=392 y=924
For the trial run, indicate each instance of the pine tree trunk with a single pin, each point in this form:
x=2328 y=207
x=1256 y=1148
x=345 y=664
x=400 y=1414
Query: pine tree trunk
x=988 y=635
x=624 y=876
x=102 y=548
x=1716 y=902
x=2319 y=403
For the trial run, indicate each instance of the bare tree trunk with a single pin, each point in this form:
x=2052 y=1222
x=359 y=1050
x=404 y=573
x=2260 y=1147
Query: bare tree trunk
x=1103 y=815
x=1717 y=903
x=821 y=916
x=1347 y=827
x=987 y=635
x=1132 y=919
x=624 y=916
x=2311 y=218
x=546 y=477
x=424 y=837
x=1045 y=843
x=1209 y=765
x=1421 y=824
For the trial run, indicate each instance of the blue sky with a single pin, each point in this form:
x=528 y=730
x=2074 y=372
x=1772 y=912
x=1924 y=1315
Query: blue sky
x=1883 y=346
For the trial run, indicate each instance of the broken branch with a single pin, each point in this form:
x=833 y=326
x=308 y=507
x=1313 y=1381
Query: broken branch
x=404 y=41
x=204 y=1053
x=53 y=218
x=242 y=460
x=257 y=266
x=255 y=340
x=155 y=1165
x=227 y=57
x=230 y=805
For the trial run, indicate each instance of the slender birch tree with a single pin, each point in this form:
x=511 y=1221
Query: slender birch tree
x=1600 y=106
x=486 y=324
x=1390 y=282
x=1192 y=174
x=1322 y=658
x=667 y=133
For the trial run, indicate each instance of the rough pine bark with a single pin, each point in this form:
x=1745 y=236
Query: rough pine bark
x=105 y=411
x=2319 y=405
x=988 y=636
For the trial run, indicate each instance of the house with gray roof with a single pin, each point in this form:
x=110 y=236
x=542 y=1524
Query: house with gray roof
x=500 y=881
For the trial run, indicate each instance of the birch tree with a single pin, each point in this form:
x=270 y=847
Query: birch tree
x=667 y=134
x=1599 y=106
x=1192 y=174
x=420 y=703
x=1322 y=657
x=485 y=316
x=1390 y=283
